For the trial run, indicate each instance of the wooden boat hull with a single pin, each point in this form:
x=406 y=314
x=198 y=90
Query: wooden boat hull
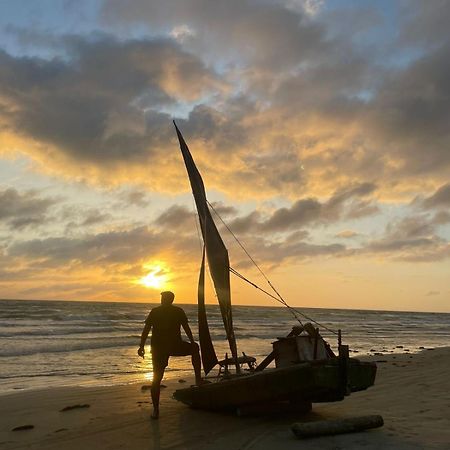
x=316 y=381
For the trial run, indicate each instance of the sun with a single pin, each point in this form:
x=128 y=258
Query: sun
x=156 y=278
x=152 y=280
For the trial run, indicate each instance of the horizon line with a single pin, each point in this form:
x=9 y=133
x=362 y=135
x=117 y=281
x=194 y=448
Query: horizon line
x=214 y=304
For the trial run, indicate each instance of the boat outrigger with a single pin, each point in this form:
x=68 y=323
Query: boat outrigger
x=306 y=369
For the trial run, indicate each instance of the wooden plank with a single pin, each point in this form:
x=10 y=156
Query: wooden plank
x=316 y=339
x=271 y=356
x=344 y=361
x=265 y=362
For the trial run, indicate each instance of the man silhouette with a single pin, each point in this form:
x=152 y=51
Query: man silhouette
x=165 y=322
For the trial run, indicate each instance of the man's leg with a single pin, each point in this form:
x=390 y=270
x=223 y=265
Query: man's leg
x=159 y=365
x=191 y=348
x=155 y=391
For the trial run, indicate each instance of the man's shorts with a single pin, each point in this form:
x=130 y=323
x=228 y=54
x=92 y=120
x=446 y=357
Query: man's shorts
x=160 y=355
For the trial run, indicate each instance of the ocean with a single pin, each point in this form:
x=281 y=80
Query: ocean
x=56 y=343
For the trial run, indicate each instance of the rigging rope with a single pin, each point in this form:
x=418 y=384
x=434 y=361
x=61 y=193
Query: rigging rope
x=246 y=252
x=235 y=272
x=295 y=312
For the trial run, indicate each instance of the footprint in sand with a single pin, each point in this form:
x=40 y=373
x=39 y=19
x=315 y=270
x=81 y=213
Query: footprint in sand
x=23 y=427
x=70 y=408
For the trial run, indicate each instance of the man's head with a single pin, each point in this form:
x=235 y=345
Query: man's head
x=167 y=298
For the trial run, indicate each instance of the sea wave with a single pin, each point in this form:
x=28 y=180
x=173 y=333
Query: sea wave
x=77 y=373
x=61 y=346
x=40 y=331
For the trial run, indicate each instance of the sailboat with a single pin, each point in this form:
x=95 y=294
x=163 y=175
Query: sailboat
x=306 y=369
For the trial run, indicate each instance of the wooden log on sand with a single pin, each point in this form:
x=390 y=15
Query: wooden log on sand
x=340 y=426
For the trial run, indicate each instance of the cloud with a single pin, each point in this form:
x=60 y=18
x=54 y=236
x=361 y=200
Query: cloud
x=89 y=249
x=410 y=227
x=300 y=213
x=395 y=245
x=415 y=250
x=306 y=211
x=177 y=218
x=441 y=218
x=299 y=108
x=362 y=209
x=224 y=210
x=424 y=23
x=248 y=223
x=94 y=217
x=441 y=198
x=101 y=104
x=112 y=247
x=343 y=204
x=412 y=239
x=290 y=250
x=347 y=234
x=273 y=34
x=73 y=217
x=411 y=112
x=133 y=197
x=20 y=210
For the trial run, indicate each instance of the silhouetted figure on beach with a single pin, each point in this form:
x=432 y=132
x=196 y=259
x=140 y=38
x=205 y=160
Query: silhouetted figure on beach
x=165 y=322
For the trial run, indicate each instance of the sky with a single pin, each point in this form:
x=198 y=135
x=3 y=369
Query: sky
x=321 y=129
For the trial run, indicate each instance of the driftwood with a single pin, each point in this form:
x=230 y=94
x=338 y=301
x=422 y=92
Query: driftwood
x=340 y=426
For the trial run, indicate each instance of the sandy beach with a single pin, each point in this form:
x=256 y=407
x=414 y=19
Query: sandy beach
x=412 y=393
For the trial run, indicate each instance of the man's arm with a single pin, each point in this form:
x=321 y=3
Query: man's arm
x=187 y=330
x=144 y=335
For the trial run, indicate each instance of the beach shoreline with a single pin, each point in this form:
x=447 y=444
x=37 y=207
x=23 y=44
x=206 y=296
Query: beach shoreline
x=412 y=393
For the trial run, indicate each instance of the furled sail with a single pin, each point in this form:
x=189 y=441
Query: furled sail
x=216 y=252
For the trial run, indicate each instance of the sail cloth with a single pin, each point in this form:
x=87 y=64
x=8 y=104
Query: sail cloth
x=209 y=358
x=216 y=252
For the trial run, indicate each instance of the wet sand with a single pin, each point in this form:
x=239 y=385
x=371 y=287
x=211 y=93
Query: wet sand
x=412 y=393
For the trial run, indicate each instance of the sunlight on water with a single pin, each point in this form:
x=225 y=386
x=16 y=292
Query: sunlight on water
x=148 y=376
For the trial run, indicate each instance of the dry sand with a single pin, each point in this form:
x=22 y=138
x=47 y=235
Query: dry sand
x=412 y=393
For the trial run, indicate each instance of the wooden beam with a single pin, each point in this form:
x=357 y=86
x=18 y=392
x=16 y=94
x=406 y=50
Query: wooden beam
x=271 y=356
x=340 y=426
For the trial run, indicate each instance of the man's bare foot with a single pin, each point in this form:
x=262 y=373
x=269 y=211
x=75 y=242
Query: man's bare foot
x=155 y=414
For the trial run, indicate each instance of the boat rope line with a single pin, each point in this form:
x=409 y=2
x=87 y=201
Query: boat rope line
x=295 y=312
x=246 y=252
